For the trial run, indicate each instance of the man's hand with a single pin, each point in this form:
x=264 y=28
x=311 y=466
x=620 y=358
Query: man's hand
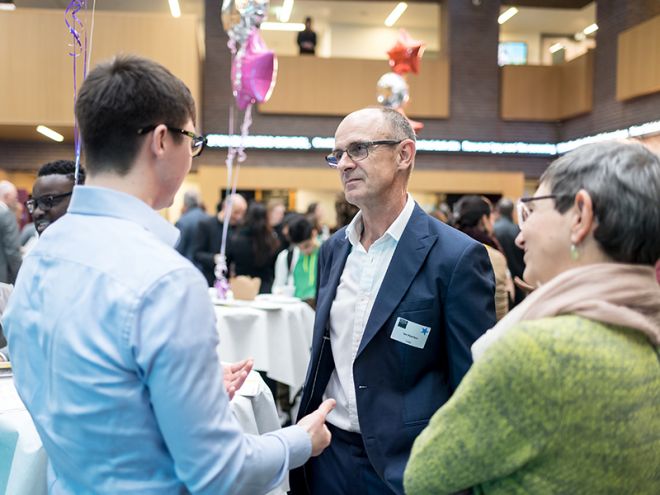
x=235 y=374
x=314 y=425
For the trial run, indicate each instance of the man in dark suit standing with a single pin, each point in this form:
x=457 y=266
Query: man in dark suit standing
x=401 y=299
x=188 y=223
x=208 y=236
x=506 y=232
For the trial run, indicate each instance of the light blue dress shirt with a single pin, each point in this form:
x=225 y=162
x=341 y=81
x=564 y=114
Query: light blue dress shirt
x=113 y=341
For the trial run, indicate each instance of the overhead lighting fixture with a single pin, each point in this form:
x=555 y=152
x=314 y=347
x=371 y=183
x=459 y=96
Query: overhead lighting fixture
x=395 y=14
x=556 y=47
x=49 y=133
x=175 y=9
x=506 y=15
x=282 y=26
x=7 y=5
x=284 y=12
x=580 y=36
x=592 y=28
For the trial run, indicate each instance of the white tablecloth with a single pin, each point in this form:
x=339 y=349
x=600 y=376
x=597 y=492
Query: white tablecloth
x=23 y=461
x=279 y=339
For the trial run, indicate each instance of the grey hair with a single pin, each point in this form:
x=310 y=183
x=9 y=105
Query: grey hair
x=399 y=124
x=623 y=180
x=6 y=187
x=191 y=199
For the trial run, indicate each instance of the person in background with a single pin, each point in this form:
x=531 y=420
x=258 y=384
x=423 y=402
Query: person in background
x=297 y=267
x=10 y=250
x=254 y=248
x=316 y=215
x=344 y=212
x=474 y=217
x=506 y=231
x=112 y=333
x=306 y=39
x=401 y=298
x=564 y=392
x=208 y=236
x=188 y=224
x=51 y=192
x=276 y=211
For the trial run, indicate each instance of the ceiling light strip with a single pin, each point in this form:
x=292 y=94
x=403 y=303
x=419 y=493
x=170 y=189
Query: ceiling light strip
x=591 y=28
x=266 y=142
x=284 y=14
x=282 y=26
x=49 y=133
x=506 y=15
x=395 y=14
x=175 y=9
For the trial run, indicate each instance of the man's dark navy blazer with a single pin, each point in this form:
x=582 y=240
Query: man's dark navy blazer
x=439 y=278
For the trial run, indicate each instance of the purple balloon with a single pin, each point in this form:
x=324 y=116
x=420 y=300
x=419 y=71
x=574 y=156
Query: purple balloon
x=253 y=71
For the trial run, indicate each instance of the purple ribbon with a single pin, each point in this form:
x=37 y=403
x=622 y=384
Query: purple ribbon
x=79 y=47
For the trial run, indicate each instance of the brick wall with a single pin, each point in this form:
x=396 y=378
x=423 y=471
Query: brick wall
x=613 y=17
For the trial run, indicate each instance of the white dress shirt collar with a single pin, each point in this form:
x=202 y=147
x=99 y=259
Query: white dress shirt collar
x=395 y=230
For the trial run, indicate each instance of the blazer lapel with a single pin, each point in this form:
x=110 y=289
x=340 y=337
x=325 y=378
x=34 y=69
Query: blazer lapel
x=410 y=253
x=327 y=297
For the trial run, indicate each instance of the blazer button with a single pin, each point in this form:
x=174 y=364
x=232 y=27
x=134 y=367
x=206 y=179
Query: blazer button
x=362 y=387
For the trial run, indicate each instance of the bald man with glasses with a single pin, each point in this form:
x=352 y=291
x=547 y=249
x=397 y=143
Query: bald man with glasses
x=401 y=298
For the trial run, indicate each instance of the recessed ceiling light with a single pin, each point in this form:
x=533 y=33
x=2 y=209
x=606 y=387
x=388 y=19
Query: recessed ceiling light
x=49 y=133
x=395 y=14
x=282 y=26
x=7 y=5
x=556 y=47
x=591 y=28
x=175 y=9
x=506 y=15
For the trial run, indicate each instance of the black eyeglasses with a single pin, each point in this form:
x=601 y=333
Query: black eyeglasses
x=45 y=202
x=356 y=151
x=196 y=146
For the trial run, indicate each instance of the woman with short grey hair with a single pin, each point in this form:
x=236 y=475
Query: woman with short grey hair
x=564 y=393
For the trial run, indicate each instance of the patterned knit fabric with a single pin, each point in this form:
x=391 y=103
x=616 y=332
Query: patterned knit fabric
x=561 y=405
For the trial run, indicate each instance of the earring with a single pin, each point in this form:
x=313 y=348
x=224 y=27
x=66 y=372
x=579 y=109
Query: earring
x=575 y=254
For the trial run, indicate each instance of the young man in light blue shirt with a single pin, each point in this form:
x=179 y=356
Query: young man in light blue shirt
x=111 y=331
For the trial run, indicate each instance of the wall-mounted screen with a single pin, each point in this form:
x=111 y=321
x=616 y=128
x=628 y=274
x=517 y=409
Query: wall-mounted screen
x=512 y=53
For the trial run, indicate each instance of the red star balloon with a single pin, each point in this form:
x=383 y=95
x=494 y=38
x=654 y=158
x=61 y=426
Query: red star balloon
x=406 y=54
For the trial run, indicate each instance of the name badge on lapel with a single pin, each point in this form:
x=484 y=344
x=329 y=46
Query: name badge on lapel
x=410 y=333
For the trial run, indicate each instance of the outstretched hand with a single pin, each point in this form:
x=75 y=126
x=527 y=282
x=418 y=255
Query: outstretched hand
x=235 y=374
x=314 y=425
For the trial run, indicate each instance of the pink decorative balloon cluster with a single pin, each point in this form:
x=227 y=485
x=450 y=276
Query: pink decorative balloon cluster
x=254 y=66
x=253 y=71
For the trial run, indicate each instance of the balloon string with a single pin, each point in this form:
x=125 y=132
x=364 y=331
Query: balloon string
x=79 y=47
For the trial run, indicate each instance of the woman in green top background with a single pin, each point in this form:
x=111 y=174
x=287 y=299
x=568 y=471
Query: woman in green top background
x=564 y=394
x=296 y=267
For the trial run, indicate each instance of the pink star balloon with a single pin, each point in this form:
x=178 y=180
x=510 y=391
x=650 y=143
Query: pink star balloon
x=253 y=71
x=406 y=54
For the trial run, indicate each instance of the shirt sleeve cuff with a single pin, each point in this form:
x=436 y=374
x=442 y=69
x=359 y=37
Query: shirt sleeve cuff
x=299 y=444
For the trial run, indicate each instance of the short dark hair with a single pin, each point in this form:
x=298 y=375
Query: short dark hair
x=505 y=208
x=470 y=209
x=62 y=167
x=300 y=229
x=118 y=98
x=623 y=180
